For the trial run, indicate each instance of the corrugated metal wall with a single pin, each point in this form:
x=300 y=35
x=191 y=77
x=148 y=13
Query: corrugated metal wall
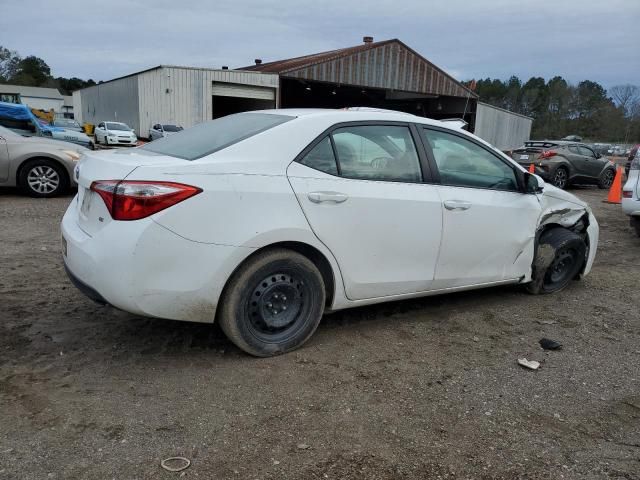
x=184 y=95
x=116 y=101
x=389 y=66
x=503 y=129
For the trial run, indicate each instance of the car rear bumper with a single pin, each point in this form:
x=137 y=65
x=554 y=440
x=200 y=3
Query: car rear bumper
x=143 y=268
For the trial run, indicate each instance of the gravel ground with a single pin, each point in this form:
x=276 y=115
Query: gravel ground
x=423 y=389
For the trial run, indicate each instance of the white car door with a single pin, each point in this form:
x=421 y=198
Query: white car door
x=361 y=188
x=99 y=133
x=4 y=159
x=489 y=225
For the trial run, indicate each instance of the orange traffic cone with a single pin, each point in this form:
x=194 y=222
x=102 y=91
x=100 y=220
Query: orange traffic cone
x=532 y=168
x=615 y=192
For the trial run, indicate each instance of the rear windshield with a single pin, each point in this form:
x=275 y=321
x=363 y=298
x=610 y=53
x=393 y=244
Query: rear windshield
x=540 y=144
x=171 y=128
x=209 y=137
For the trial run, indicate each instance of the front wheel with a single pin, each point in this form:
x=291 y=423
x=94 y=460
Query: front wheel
x=273 y=303
x=606 y=179
x=559 y=257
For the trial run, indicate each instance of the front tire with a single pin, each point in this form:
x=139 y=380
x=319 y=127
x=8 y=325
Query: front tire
x=559 y=258
x=42 y=178
x=273 y=303
x=606 y=179
x=560 y=178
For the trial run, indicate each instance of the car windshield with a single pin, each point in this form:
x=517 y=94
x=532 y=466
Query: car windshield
x=171 y=128
x=66 y=123
x=5 y=132
x=209 y=137
x=118 y=126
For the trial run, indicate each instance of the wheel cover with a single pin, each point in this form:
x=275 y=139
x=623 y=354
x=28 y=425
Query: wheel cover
x=607 y=180
x=560 y=178
x=562 y=267
x=276 y=305
x=43 y=179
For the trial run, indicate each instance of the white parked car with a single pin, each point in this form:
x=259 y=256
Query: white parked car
x=631 y=193
x=115 y=133
x=160 y=130
x=264 y=220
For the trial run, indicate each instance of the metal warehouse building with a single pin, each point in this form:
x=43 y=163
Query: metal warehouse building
x=386 y=74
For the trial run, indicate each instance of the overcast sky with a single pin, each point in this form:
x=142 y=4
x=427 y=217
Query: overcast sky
x=595 y=40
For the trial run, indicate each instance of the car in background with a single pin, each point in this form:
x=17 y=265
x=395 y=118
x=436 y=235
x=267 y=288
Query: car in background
x=563 y=163
x=160 y=130
x=68 y=124
x=631 y=192
x=20 y=119
x=572 y=138
x=633 y=152
x=263 y=220
x=115 y=133
x=39 y=166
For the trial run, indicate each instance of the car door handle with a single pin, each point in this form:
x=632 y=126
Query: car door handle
x=333 y=197
x=457 y=205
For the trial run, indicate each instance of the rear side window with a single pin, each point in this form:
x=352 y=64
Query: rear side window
x=462 y=163
x=321 y=157
x=214 y=135
x=377 y=152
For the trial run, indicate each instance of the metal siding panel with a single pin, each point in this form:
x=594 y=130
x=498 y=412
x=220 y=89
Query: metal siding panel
x=504 y=130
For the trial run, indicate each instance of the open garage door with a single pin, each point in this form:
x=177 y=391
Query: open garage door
x=231 y=98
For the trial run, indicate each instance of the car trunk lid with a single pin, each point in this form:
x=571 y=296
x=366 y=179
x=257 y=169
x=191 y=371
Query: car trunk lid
x=531 y=152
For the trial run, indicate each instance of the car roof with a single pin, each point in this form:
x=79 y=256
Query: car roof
x=356 y=114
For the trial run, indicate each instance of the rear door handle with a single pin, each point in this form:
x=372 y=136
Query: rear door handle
x=457 y=205
x=331 y=197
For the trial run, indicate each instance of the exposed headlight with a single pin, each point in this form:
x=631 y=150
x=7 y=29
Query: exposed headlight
x=73 y=156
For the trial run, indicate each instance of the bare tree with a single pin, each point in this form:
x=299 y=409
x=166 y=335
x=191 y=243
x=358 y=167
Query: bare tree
x=626 y=97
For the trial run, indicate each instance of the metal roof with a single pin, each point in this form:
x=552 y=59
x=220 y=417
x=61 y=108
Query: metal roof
x=32 y=92
x=389 y=64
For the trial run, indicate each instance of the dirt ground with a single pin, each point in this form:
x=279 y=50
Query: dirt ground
x=425 y=389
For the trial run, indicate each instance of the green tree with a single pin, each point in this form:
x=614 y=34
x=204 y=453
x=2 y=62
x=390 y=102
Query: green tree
x=32 y=71
x=9 y=61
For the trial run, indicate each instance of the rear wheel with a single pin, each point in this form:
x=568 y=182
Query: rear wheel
x=273 y=303
x=41 y=177
x=606 y=179
x=559 y=257
x=560 y=178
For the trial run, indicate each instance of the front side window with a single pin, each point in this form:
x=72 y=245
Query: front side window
x=587 y=152
x=462 y=163
x=321 y=157
x=377 y=152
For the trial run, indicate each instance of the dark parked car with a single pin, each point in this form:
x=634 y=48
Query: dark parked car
x=563 y=163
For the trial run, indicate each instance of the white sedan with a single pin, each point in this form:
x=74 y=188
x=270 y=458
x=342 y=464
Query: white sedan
x=115 y=133
x=264 y=220
x=631 y=193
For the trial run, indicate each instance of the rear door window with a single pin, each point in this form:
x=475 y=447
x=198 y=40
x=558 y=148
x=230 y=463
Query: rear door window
x=321 y=157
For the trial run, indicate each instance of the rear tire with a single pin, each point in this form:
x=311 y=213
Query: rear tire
x=42 y=178
x=559 y=258
x=273 y=303
x=606 y=179
x=561 y=178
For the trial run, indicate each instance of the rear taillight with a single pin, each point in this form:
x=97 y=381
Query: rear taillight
x=136 y=199
x=548 y=154
x=627 y=194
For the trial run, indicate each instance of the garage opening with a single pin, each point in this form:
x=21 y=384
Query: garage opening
x=297 y=93
x=231 y=98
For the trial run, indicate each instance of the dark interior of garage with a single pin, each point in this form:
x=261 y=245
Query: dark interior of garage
x=296 y=93
x=223 y=105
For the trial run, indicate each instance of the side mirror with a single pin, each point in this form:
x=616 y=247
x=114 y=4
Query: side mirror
x=598 y=155
x=531 y=183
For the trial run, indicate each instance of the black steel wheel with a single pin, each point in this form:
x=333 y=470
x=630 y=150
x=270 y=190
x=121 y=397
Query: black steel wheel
x=273 y=303
x=606 y=179
x=561 y=178
x=559 y=258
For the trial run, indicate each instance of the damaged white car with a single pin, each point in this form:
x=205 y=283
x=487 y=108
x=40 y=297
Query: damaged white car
x=264 y=220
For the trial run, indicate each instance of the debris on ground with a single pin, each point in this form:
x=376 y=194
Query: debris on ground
x=549 y=344
x=530 y=364
x=175 y=464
